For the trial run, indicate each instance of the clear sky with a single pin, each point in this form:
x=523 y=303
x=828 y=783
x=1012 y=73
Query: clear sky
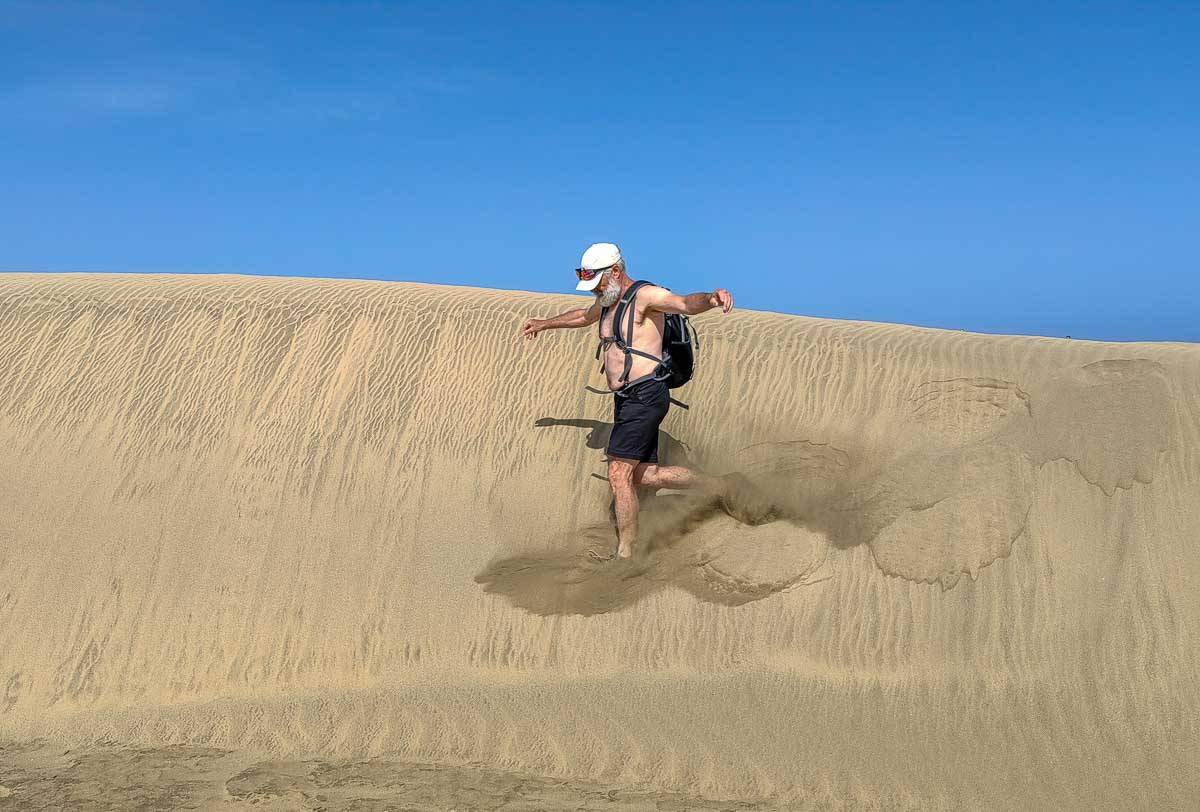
x=1000 y=167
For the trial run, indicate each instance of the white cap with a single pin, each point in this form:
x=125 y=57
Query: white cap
x=601 y=255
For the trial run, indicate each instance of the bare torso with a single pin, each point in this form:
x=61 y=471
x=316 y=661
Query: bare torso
x=647 y=337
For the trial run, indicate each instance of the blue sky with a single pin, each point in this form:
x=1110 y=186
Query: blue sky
x=1000 y=167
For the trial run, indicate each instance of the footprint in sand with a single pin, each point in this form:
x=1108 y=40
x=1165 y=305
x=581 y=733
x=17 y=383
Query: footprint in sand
x=735 y=563
x=955 y=494
x=1109 y=418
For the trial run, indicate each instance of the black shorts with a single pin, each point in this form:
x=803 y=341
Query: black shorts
x=638 y=411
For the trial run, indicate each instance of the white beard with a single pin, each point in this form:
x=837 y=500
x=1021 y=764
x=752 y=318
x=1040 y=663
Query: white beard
x=610 y=295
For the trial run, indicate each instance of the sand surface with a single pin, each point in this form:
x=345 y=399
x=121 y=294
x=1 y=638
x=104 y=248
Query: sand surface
x=324 y=543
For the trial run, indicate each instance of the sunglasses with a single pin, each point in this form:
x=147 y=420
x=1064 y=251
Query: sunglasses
x=586 y=275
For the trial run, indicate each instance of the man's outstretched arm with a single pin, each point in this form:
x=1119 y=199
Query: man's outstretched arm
x=691 y=305
x=581 y=317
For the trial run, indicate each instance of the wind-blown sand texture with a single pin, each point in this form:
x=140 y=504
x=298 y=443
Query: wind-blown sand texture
x=312 y=542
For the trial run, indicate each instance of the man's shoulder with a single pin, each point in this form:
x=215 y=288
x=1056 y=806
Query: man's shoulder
x=650 y=291
x=650 y=295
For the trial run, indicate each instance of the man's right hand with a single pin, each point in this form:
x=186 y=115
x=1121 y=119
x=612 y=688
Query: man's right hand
x=532 y=327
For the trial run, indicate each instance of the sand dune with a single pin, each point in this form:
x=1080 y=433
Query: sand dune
x=277 y=523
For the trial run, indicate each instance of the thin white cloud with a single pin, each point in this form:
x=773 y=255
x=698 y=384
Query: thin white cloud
x=138 y=88
x=69 y=98
x=236 y=91
x=131 y=97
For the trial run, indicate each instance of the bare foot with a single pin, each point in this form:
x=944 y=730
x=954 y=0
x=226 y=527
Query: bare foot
x=622 y=553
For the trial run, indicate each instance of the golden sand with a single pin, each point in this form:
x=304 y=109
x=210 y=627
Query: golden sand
x=281 y=537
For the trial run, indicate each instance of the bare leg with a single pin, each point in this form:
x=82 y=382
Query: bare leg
x=625 y=504
x=626 y=476
x=676 y=477
x=738 y=496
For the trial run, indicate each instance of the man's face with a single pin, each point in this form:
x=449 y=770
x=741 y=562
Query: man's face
x=609 y=289
x=607 y=280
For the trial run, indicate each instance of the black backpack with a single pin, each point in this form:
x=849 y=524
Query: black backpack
x=679 y=342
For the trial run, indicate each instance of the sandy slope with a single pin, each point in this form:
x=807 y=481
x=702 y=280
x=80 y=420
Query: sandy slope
x=345 y=519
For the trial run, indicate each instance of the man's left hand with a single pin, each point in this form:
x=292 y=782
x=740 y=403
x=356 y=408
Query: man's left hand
x=721 y=298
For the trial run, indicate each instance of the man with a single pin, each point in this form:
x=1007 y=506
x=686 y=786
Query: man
x=641 y=404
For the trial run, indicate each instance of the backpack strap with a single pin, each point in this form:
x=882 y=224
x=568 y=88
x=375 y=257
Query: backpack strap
x=625 y=344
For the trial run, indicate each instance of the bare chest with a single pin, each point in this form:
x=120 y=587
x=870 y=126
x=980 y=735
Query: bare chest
x=647 y=337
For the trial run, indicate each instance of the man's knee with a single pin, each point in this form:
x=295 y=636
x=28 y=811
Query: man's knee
x=644 y=473
x=620 y=474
